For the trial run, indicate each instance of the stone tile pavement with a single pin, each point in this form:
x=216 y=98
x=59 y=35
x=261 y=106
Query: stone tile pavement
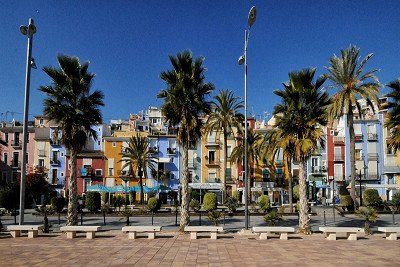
x=176 y=249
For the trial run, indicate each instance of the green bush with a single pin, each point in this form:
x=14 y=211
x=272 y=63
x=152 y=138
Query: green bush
x=263 y=203
x=119 y=201
x=232 y=203
x=132 y=197
x=371 y=198
x=194 y=204
x=57 y=204
x=105 y=208
x=153 y=204
x=235 y=195
x=347 y=202
x=210 y=202
x=395 y=203
x=93 y=201
x=343 y=189
x=273 y=218
x=296 y=194
x=214 y=216
x=369 y=215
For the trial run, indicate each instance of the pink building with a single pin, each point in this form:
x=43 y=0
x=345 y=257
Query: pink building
x=11 y=152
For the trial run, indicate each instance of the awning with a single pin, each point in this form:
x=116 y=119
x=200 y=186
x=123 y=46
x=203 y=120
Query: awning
x=164 y=160
x=97 y=188
x=217 y=186
x=387 y=186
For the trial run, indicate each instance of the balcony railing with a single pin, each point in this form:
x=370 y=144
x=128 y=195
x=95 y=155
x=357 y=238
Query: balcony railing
x=338 y=140
x=16 y=164
x=338 y=157
x=55 y=142
x=318 y=169
x=372 y=176
x=54 y=161
x=171 y=151
x=213 y=180
x=212 y=141
x=372 y=137
x=41 y=153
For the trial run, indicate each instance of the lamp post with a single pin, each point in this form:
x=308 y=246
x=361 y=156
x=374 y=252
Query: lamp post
x=29 y=31
x=243 y=60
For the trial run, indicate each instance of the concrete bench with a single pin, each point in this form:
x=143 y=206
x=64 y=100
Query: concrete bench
x=266 y=231
x=331 y=232
x=33 y=230
x=213 y=230
x=71 y=230
x=390 y=232
x=150 y=230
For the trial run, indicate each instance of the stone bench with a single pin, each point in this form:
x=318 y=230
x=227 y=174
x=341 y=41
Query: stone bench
x=213 y=230
x=390 y=232
x=331 y=232
x=71 y=230
x=265 y=231
x=150 y=230
x=15 y=230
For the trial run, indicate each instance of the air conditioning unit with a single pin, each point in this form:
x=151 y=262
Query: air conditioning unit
x=332 y=132
x=323 y=167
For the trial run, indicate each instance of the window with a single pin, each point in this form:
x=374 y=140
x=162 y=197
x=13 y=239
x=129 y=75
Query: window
x=98 y=143
x=211 y=157
x=110 y=171
x=6 y=137
x=86 y=183
x=41 y=122
x=338 y=172
x=62 y=154
x=228 y=175
x=5 y=158
x=98 y=172
x=229 y=151
x=41 y=163
x=62 y=174
x=212 y=177
x=114 y=144
x=54 y=178
x=358 y=153
x=389 y=150
x=16 y=139
x=15 y=159
x=4 y=176
x=54 y=156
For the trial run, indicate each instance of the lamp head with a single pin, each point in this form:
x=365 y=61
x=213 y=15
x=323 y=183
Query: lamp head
x=33 y=64
x=252 y=16
x=241 y=60
x=23 y=30
x=32 y=28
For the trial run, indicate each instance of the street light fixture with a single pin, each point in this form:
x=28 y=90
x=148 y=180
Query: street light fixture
x=243 y=60
x=28 y=31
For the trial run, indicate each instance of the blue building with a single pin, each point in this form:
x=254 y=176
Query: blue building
x=57 y=170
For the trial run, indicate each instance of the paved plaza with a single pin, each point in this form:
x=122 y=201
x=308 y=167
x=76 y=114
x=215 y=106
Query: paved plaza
x=176 y=249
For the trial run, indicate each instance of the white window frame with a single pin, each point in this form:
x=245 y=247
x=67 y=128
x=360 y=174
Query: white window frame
x=114 y=144
x=101 y=172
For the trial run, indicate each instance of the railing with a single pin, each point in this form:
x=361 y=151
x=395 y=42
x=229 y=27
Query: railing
x=54 y=161
x=211 y=162
x=213 y=180
x=41 y=152
x=318 y=169
x=373 y=156
x=212 y=141
x=373 y=176
x=338 y=157
x=55 y=142
x=372 y=137
x=338 y=139
x=171 y=151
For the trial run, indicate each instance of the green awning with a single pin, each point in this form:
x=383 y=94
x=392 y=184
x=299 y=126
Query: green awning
x=313 y=178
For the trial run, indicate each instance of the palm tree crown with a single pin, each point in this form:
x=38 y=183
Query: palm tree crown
x=393 y=120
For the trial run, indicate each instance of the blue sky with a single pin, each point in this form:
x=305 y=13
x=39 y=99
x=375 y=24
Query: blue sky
x=128 y=43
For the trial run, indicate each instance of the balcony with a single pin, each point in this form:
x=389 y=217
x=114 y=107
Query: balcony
x=213 y=180
x=54 y=162
x=16 y=164
x=16 y=144
x=338 y=157
x=212 y=163
x=211 y=141
x=372 y=137
x=338 y=140
x=373 y=176
x=373 y=156
x=55 y=142
x=171 y=151
x=41 y=153
x=318 y=169
x=86 y=172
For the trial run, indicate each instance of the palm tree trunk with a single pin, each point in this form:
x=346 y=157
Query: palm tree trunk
x=304 y=220
x=224 y=165
x=290 y=183
x=141 y=185
x=184 y=220
x=72 y=216
x=350 y=123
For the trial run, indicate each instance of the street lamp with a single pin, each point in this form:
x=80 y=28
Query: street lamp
x=29 y=31
x=243 y=60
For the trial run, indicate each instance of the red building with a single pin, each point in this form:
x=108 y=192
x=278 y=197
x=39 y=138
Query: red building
x=89 y=171
x=336 y=155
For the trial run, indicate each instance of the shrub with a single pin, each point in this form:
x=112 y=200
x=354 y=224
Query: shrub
x=153 y=204
x=395 y=203
x=9 y=197
x=347 y=202
x=57 y=204
x=44 y=211
x=126 y=213
x=210 y=202
x=119 y=201
x=235 y=195
x=296 y=194
x=194 y=204
x=273 y=218
x=263 y=203
x=371 y=198
x=232 y=203
x=214 y=216
x=132 y=197
x=343 y=190
x=105 y=208
x=93 y=201
x=369 y=215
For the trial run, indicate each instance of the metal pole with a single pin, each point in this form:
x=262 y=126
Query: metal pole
x=25 y=125
x=333 y=199
x=360 y=190
x=246 y=204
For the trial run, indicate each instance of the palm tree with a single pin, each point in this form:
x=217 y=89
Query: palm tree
x=138 y=157
x=346 y=74
x=184 y=105
x=276 y=141
x=393 y=121
x=300 y=116
x=75 y=109
x=254 y=142
x=225 y=115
